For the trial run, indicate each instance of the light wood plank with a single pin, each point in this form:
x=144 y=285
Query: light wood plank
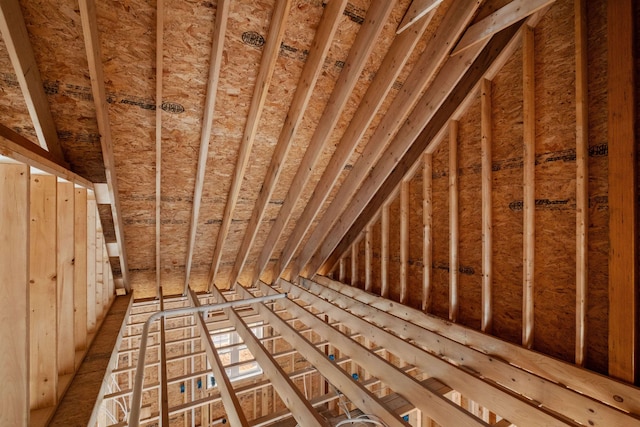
x=94 y=58
x=65 y=273
x=404 y=241
x=499 y=20
x=43 y=292
x=427 y=249
x=312 y=68
x=515 y=408
x=99 y=270
x=268 y=62
x=384 y=253
x=454 y=21
x=368 y=258
x=342 y=274
x=14 y=286
x=416 y=10
x=582 y=179
x=453 y=221
x=16 y=40
x=529 y=202
x=158 y=169
x=386 y=75
x=91 y=262
x=293 y=399
x=354 y=264
x=486 y=141
x=80 y=270
x=359 y=53
x=623 y=211
x=232 y=405
x=19 y=148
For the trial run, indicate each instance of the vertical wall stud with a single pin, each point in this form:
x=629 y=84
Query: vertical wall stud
x=91 y=262
x=487 y=217
x=384 y=256
x=80 y=271
x=65 y=243
x=426 y=221
x=453 y=221
x=404 y=241
x=368 y=255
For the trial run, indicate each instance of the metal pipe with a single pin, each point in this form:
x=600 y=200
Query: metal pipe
x=136 y=400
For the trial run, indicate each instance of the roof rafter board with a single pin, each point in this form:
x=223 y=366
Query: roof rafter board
x=94 y=58
x=16 y=39
x=312 y=68
x=359 y=53
x=222 y=13
x=268 y=62
x=455 y=20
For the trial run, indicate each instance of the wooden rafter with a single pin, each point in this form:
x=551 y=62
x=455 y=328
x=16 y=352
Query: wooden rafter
x=515 y=408
x=475 y=351
x=455 y=20
x=260 y=91
x=16 y=39
x=215 y=61
x=499 y=20
x=310 y=73
x=417 y=9
x=392 y=64
x=295 y=401
x=373 y=24
x=94 y=59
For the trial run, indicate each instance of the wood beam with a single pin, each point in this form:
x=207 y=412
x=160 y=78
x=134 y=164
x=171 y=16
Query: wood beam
x=14 y=286
x=158 y=171
x=427 y=248
x=342 y=272
x=268 y=63
x=43 y=292
x=312 y=68
x=404 y=241
x=499 y=20
x=354 y=264
x=384 y=252
x=293 y=399
x=359 y=54
x=16 y=39
x=368 y=258
x=487 y=394
x=65 y=275
x=582 y=179
x=486 y=141
x=80 y=271
x=416 y=10
x=232 y=406
x=94 y=59
x=330 y=370
x=454 y=231
x=598 y=388
x=529 y=195
x=623 y=204
x=392 y=64
x=454 y=21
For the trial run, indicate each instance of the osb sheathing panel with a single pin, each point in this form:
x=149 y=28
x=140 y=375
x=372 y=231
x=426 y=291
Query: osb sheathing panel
x=440 y=230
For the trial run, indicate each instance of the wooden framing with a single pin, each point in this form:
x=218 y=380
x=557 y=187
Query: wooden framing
x=427 y=248
x=215 y=62
x=354 y=264
x=80 y=271
x=384 y=252
x=260 y=91
x=43 y=292
x=499 y=20
x=230 y=400
x=295 y=401
x=16 y=40
x=623 y=205
x=582 y=179
x=454 y=231
x=392 y=64
x=417 y=9
x=529 y=202
x=310 y=73
x=455 y=20
x=158 y=171
x=368 y=258
x=404 y=241
x=517 y=409
x=359 y=54
x=94 y=59
x=65 y=219
x=342 y=272
x=92 y=218
x=163 y=373
x=473 y=350
x=486 y=141
x=14 y=285
x=354 y=390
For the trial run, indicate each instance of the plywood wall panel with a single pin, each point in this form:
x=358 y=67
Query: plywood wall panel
x=440 y=231
x=507 y=197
